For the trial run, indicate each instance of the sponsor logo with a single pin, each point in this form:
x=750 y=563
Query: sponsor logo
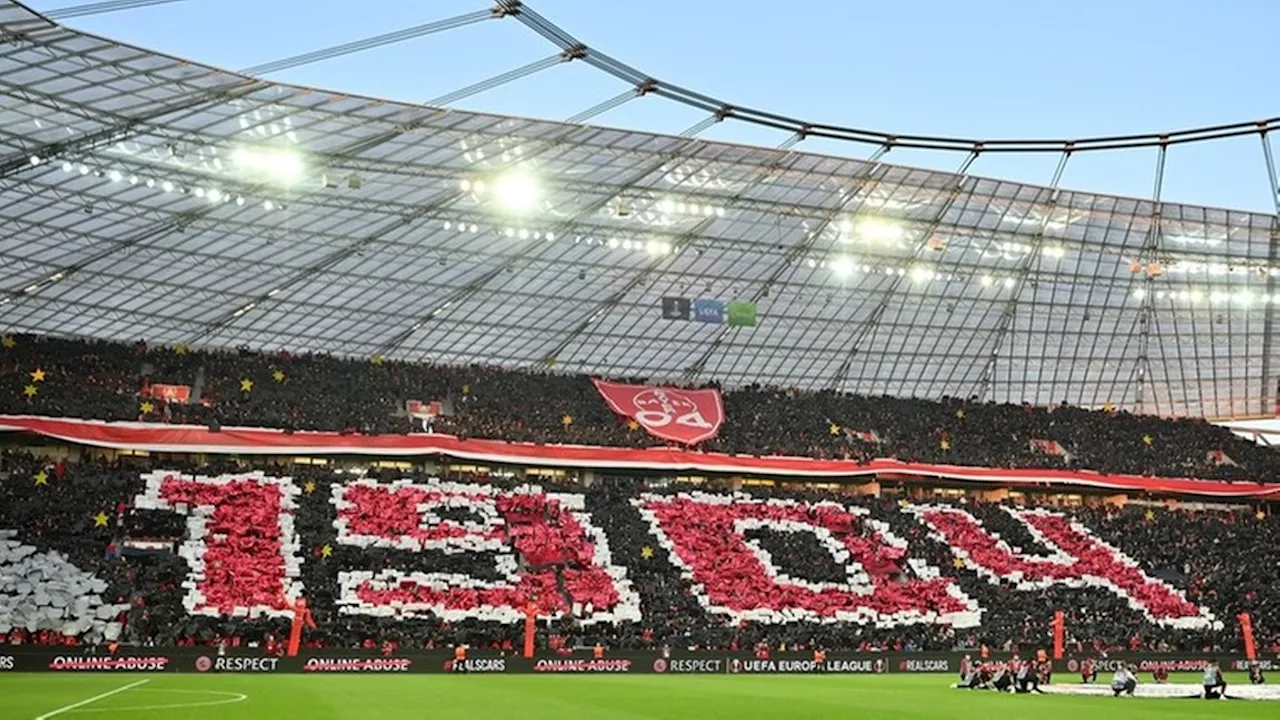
x=476 y=665
x=925 y=666
x=357 y=665
x=688 y=665
x=807 y=666
x=204 y=663
x=109 y=664
x=246 y=664
x=7 y=662
x=1242 y=665
x=1107 y=665
x=582 y=666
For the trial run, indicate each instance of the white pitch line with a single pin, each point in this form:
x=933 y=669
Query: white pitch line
x=232 y=697
x=95 y=698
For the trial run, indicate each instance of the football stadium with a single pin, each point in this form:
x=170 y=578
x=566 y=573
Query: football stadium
x=317 y=404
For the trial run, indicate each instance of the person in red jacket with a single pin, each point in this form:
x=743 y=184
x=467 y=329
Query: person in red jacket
x=1088 y=671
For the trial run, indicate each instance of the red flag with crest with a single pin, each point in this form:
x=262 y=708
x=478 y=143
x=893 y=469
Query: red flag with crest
x=675 y=414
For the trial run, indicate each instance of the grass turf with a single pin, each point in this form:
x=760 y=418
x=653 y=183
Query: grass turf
x=733 y=697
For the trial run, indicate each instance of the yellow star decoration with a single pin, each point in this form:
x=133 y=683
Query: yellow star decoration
x=246 y=385
x=1147 y=439
x=567 y=420
x=1108 y=407
x=945 y=444
x=278 y=375
x=834 y=429
x=42 y=478
x=646 y=552
x=8 y=342
x=30 y=391
x=146 y=407
x=903 y=503
x=100 y=520
x=958 y=563
x=1261 y=515
x=960 y=413
x=179 y=349
x=633 y=425
x=466 y=389
x=377 y=359
x=326 y=550
x=37 y=375
x=310 y=487
x=1151 y=515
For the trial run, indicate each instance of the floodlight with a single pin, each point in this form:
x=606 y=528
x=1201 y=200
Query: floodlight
x=842 y=266
x=658 y=247
x=516 y=191
x=921 y=274
x=874 y=229
x=280 y=165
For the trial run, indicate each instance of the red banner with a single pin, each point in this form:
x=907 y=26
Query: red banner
x=683 y=416
x=171 y=393
x=156 y=437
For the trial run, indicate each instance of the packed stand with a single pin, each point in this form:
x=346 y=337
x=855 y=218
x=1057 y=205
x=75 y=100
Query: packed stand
x=594 y=565
x=105 y=381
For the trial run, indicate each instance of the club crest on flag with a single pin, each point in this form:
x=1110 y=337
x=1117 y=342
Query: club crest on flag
x=675 y=414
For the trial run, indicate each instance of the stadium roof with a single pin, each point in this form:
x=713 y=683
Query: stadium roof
x=145 y=196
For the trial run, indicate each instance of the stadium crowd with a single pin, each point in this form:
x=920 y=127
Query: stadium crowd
x=113 y=381
x=1228 y=562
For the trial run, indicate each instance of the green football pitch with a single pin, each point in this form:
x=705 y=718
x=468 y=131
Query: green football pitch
x=525 y=697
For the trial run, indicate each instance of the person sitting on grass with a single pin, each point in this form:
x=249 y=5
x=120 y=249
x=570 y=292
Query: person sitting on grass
x=976 y=677
x=1088 y=671
x=1255 y=674
x=1026 y=677
x=1125 y=681
x=1002 y=681
x=1215 y=686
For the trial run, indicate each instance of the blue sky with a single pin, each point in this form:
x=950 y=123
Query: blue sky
x=983 y=68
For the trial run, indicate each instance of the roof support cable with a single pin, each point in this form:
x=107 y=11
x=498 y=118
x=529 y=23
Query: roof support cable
x=101 y=8
x=1270 y=374
x=559 y=37
x=1141 y=376
x=390 y=38
x=604 y=107
x=504 y=78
